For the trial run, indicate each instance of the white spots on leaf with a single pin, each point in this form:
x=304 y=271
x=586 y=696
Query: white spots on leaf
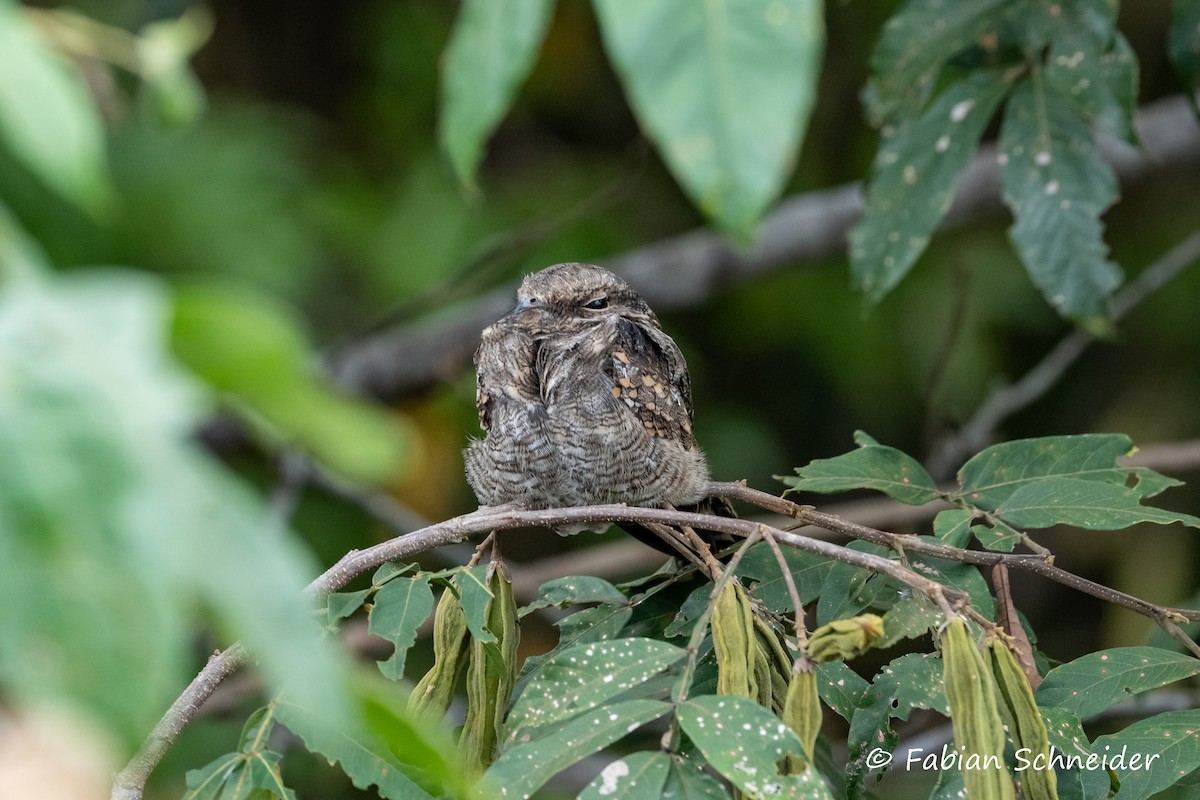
x=960 y=110
x=1052 y=188
x=611 y=776
x=1042 y=158
x=943 y=144
x=910 y=174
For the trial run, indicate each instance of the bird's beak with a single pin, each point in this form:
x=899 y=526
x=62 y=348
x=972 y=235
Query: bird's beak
x=526 y=303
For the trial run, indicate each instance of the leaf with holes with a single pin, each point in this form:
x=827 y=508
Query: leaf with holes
x=871 y=466
x=1097 y=681
x=638 y=776
x=401 y=605
x=1057 y=186
x=913 y=181
x=580 y=678
x=1084 y=504
x=1152 y=754
x=523 y=768
x=745 y=742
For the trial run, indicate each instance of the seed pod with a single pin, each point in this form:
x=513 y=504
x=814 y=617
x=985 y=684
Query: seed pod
x=490 y=676
x=845 y=638
x=734 y=642
x=451 y=643
x=1025 y=723
x=802 y=713
x=773 y=666
x=978 y=731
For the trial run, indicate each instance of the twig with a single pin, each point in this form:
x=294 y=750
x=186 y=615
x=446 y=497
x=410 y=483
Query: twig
x=1004 y=401
x=797 y=607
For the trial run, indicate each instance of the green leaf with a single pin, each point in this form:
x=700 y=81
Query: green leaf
x=590 y=625
x=522 y=769
x=474 y=594
x=114 y=525
x=849 y=589
x=692 y=608
x=1154 y=753
x=840 y=687
x=491 y=52
x=1100 y=74
x=1057 y=186
x=953 y=526
x=1097 y=681
x=1001 y=538
x=405 y=757
x=871 y=466
x=745 y=742
x=688 y=782
x=993 y=474
x=47 y=118
x=638 y=776
x=809 y=573
x=248 y=773
x=580 y=678
x=914 y=46
x=401 y=605
x=573 y=590
x=1084 y=504
x=909 y=682
x=912 y=616
x=913 y=180
x=687 y=67
x=1183 y=46
x=252 y=346
x=342 y=604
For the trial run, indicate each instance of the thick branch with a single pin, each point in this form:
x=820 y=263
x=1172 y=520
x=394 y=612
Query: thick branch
x=686 y=269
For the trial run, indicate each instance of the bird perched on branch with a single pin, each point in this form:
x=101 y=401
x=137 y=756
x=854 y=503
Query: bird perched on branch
x=584 y=400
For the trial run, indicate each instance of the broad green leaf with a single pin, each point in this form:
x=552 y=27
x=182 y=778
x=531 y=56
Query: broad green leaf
x=400 y=607
x=248 y=773
x=563 y=592
x=687 y=69
x=1084 y=504
x=1152 y=754
x=848 y=589
x=688 y=782
x=953 y=526
x=638 y=776
x=1184 y=46
x=580 y=678
x=745 y=742
x=912 y=183
x=251 y=345
x=404 y=757
x=840 y=687
x=956 y=574
x=692 y=608
x=950 y=786
x=809 y=573
x=342 y=604
x=915 y=44
x=1097 y=681
x=1001 y=538
x=47 y=119
x=871 y=466
x=590 y=625
x=238 y=776
x=114 y=525
x=491 y=52
x=909 y=682
x=993 y=474
x=474 y=594
x=1057 y=186
x=912 y=616
x=1099 y=75
x=523 y=768
x=1067 y=737
x=390 y=570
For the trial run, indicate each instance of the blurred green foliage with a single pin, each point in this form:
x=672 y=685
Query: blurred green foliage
x=286 y=191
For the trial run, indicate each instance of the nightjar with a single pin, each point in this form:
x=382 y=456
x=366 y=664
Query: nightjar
x=584 y=400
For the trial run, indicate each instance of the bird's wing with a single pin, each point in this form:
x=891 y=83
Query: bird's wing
x=650 y=377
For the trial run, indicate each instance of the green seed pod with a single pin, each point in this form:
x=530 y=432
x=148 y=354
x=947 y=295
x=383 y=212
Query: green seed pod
x=451 y=644
x=735 y=643
x=845 y=638
x=1025 y=723
x=490 y=677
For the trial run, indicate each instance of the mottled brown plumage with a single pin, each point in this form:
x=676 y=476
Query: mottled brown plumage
x=584 y=399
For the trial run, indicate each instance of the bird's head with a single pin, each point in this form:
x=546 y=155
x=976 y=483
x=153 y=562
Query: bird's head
x=568 y=298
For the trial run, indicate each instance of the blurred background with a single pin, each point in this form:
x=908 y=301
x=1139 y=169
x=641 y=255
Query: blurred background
x=312 y=175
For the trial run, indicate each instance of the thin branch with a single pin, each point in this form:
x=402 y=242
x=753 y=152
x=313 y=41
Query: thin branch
x=685 y=270
x=1004 y=401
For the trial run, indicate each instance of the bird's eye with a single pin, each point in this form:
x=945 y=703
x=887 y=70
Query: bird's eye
x=597 y=304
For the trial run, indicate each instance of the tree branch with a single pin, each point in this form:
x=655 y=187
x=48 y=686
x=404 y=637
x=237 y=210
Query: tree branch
x=686 y=269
